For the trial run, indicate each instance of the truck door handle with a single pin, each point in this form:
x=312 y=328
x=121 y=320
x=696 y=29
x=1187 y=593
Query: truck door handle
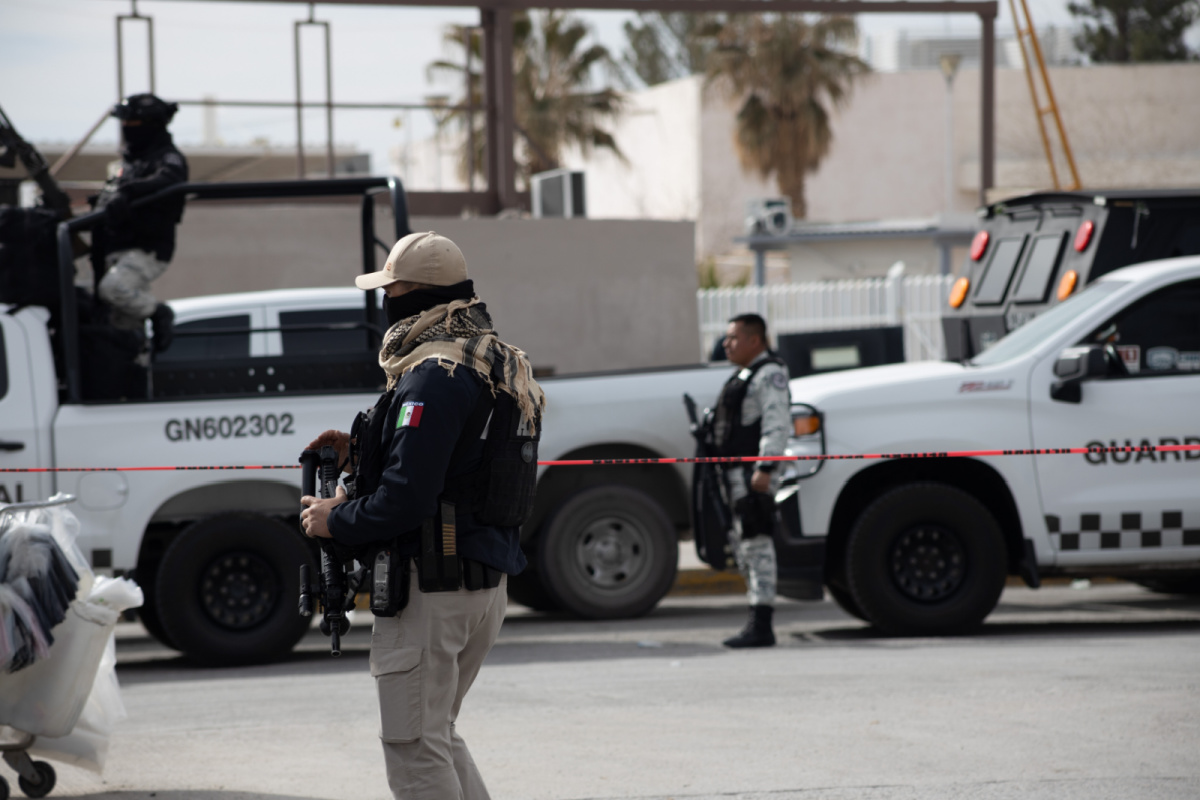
x=12 y=447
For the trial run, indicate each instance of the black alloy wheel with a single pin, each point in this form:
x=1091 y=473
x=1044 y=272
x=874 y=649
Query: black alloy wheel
x=239 y=590
x=227 y=589
x=928 y=563
x=926 y=559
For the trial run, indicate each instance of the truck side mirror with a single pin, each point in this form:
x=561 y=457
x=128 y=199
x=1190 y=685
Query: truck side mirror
x=1073 y=367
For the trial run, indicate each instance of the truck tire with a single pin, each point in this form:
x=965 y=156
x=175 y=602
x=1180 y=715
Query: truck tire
x=926 y=559
x=227 y=589
x=608 y=552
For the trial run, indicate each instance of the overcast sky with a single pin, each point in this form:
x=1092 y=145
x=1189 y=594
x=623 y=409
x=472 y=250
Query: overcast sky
x=58 y=62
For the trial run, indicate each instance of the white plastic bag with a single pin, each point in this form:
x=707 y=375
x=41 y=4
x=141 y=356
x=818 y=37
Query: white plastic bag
x=87 y=744
x=47 y=698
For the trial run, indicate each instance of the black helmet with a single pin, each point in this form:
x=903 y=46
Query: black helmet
x=145 y=107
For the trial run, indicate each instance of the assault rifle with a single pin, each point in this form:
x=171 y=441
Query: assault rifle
x=339 y=581
x=710 y=514
x=15 y=147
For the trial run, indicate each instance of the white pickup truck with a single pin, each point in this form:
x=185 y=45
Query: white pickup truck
x=923 y=546
x=249 y=380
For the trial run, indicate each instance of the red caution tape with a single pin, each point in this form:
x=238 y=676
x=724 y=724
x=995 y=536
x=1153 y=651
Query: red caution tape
x=1041 y=451
x=582 y=462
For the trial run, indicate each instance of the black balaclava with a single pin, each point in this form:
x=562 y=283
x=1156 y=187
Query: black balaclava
x=139 y=139
x=418 y=300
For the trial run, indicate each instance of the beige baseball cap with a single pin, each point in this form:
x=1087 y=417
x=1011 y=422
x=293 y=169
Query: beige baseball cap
x=425 y=257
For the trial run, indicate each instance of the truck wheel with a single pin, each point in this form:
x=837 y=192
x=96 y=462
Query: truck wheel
x=227 y=589
x=926 y=559
x=608 y=552
x=529 y=590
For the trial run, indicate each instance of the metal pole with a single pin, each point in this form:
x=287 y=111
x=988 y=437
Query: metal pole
x=150 y=44
x=987 y=113
x=120 y=62
x=329 y=97
x=760 y=267
x=74 y=151
x=467 y=40
x=487 y=20
x=133 y=15
x=299 y=106
x=505 y=122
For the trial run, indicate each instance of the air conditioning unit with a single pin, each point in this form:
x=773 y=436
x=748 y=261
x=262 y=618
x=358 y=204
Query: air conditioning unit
x=558 y=193
x=768 y=216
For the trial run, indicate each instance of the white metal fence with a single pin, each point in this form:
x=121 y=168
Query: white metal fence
x=914 y=301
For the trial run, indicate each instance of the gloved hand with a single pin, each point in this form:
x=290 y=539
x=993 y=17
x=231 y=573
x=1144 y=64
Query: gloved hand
x=338 y=440
x=117 y=208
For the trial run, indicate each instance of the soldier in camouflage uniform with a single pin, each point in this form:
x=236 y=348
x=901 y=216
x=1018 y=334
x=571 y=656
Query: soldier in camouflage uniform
x=753 y=418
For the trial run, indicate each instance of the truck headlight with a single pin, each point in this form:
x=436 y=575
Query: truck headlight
x=807 y=439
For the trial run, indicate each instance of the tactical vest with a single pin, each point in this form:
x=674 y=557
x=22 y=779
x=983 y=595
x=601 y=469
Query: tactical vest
x=730 y=436
x=499 y=492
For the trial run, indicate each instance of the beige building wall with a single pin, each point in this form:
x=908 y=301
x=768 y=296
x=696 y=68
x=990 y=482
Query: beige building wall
x=577 y=295
x=1130 y=127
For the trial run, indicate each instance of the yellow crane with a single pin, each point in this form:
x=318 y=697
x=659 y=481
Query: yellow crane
x=1031 y=54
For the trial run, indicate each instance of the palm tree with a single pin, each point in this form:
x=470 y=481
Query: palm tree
x=554 y=104
x=785 y=72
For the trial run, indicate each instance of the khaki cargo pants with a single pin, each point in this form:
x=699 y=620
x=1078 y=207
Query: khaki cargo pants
x=424 y=660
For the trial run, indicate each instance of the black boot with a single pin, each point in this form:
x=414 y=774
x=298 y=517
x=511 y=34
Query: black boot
x=757 y=632
x=163 y=323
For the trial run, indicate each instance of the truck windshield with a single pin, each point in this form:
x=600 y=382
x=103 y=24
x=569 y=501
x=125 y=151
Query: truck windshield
x=1034 y=332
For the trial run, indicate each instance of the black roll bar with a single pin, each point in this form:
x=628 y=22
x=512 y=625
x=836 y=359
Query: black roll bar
x=367 y=187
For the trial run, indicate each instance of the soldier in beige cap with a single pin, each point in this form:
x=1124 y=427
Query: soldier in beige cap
x=422 y=462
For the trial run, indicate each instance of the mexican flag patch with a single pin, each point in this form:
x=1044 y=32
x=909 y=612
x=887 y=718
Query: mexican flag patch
x=410 y=415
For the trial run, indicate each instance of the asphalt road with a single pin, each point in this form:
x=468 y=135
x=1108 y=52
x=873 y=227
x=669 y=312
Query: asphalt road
x=1066 y=693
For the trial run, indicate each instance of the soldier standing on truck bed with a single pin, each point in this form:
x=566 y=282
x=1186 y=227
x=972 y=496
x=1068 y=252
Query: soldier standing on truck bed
x=133 y=248
x=752 y=418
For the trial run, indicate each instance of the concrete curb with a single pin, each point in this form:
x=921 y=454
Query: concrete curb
x=705 y=581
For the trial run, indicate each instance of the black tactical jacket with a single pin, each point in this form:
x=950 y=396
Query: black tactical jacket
x=142 y=173
x=428 y=413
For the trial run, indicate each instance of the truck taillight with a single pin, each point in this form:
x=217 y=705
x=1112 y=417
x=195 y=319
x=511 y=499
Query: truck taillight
x=1083 y=236
x=958 y=292
x=1067 y=284
x=979 y=246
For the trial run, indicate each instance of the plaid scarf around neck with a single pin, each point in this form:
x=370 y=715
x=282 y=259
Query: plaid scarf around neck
x=460 y=332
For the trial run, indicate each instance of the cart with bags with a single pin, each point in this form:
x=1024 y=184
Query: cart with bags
x=56 y=653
